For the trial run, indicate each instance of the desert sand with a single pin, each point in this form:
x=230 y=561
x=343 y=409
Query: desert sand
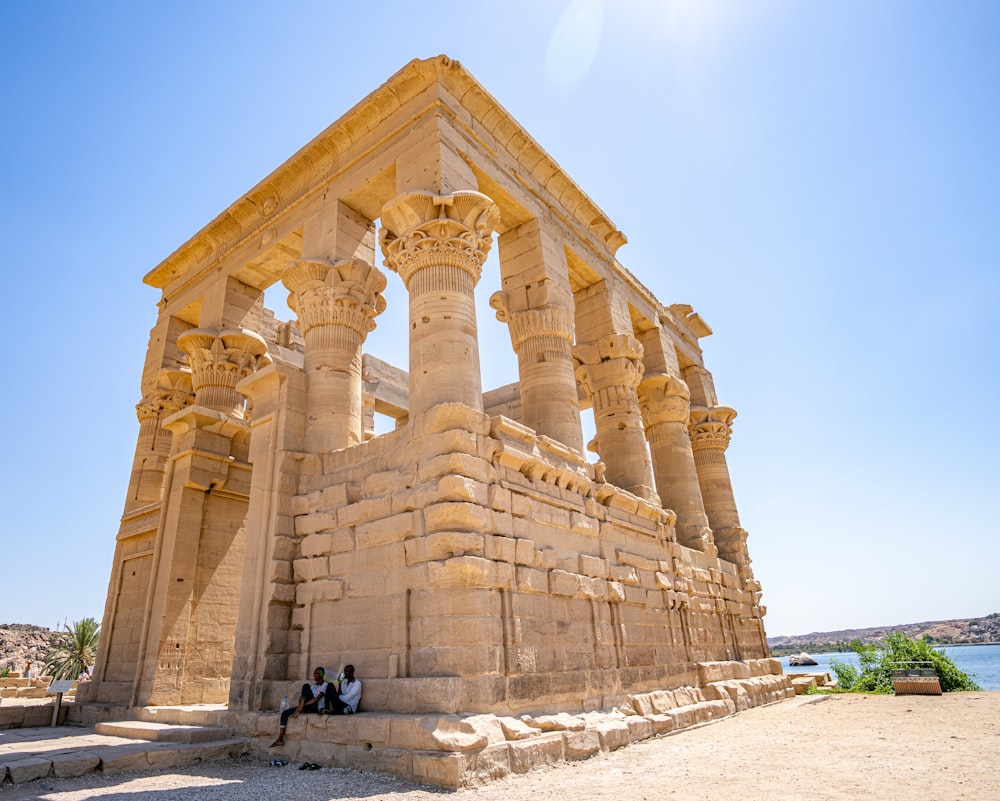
x=917 y=748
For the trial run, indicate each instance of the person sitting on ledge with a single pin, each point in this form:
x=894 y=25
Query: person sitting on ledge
x=345 y=701
x=311 y=699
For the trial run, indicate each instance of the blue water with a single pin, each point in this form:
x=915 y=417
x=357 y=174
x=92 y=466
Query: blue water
x=982 y=662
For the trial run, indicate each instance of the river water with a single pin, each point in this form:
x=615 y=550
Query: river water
x=982 y=662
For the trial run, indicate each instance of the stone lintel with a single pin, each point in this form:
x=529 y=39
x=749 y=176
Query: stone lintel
x=388 y=385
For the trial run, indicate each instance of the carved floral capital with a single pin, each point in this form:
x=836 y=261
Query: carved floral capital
x=222 y=359
x=421 y=229
x=348 y=293
x=169 y=392
x=711 y=428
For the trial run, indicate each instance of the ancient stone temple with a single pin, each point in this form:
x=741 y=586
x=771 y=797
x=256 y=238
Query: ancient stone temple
x=472 y=560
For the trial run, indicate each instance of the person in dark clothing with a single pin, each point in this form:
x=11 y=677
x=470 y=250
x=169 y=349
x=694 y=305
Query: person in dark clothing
x=312 y=699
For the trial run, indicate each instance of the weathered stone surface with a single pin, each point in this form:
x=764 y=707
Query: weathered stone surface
x=581 y=744
x=639 y=728
x=515 y=729
x=439 y=733
x=614 y=734
x=560 y=722
x=470 y=562
x=662 y=724
x=124 y=757
x=74 y=764
x=28 y=769
x=441 y=769
x=526 y=755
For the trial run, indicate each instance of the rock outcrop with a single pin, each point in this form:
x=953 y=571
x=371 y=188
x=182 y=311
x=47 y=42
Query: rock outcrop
x=21 y=643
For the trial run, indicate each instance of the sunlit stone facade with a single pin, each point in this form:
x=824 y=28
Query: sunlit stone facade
x=471 y=560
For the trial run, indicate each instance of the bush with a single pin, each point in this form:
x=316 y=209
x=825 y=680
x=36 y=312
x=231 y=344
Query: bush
x=874 y=675
x=847 y=675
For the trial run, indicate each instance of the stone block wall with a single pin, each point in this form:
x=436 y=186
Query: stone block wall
x=472 y=560
x=424 y=560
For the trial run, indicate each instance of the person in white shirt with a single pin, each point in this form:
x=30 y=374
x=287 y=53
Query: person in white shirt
x=345 y=701
x=312 y=699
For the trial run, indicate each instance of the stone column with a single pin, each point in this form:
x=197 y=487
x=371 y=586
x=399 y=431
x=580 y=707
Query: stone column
x=219 y=360
x=336 y=306
x=543 y=341
x=437 y=244
x=610 y=371
x=264 y=636
x=710 y=430
x=170 y=392
x=187 y=651
x=665 y=408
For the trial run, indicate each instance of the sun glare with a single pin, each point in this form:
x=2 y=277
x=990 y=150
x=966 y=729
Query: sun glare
x=574 y=41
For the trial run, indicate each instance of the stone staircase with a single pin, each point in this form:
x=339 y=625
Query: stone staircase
x=162 y=732
x=183 y=734
x=28 y=754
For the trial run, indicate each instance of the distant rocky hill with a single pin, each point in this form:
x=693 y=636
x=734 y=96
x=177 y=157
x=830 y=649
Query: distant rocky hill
x=940 y=632
x=20 y=643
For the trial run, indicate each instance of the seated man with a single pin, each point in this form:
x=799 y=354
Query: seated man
x=345 y=701
x=311 y=699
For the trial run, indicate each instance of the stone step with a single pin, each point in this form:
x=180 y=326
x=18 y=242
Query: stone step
x=162 y=732
x=76 y=755
x=185 y=715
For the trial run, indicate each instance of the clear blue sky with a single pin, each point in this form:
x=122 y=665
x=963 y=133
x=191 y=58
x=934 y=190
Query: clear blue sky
x=818 y=179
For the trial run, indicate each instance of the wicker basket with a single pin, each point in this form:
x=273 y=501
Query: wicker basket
x=915 y=678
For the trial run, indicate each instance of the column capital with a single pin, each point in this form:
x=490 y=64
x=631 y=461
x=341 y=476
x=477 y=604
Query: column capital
x=422 y=229
x=664 y=398
x=614 y=360
x=347 y=293
x=711 y=428
x=169 y=391
x=550 y=320
x=219 y=361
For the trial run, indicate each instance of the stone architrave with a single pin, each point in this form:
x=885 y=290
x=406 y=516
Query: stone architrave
x=437 y=244
x=336 y=306
x=610 y=370
x=543 y=341
x=710 y=430
x=665 y=404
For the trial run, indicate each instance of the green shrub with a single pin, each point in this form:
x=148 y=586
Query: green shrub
x=876 y=663
x=847 y=675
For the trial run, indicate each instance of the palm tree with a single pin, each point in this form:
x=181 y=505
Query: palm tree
x=73 y=650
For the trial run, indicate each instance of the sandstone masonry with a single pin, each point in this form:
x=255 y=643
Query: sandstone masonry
x=471 y=560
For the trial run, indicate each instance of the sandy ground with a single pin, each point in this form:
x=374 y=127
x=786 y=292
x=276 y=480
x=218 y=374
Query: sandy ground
x=912 y=748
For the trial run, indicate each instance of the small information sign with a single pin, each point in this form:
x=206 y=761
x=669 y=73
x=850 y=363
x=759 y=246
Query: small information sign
x=60 y=687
